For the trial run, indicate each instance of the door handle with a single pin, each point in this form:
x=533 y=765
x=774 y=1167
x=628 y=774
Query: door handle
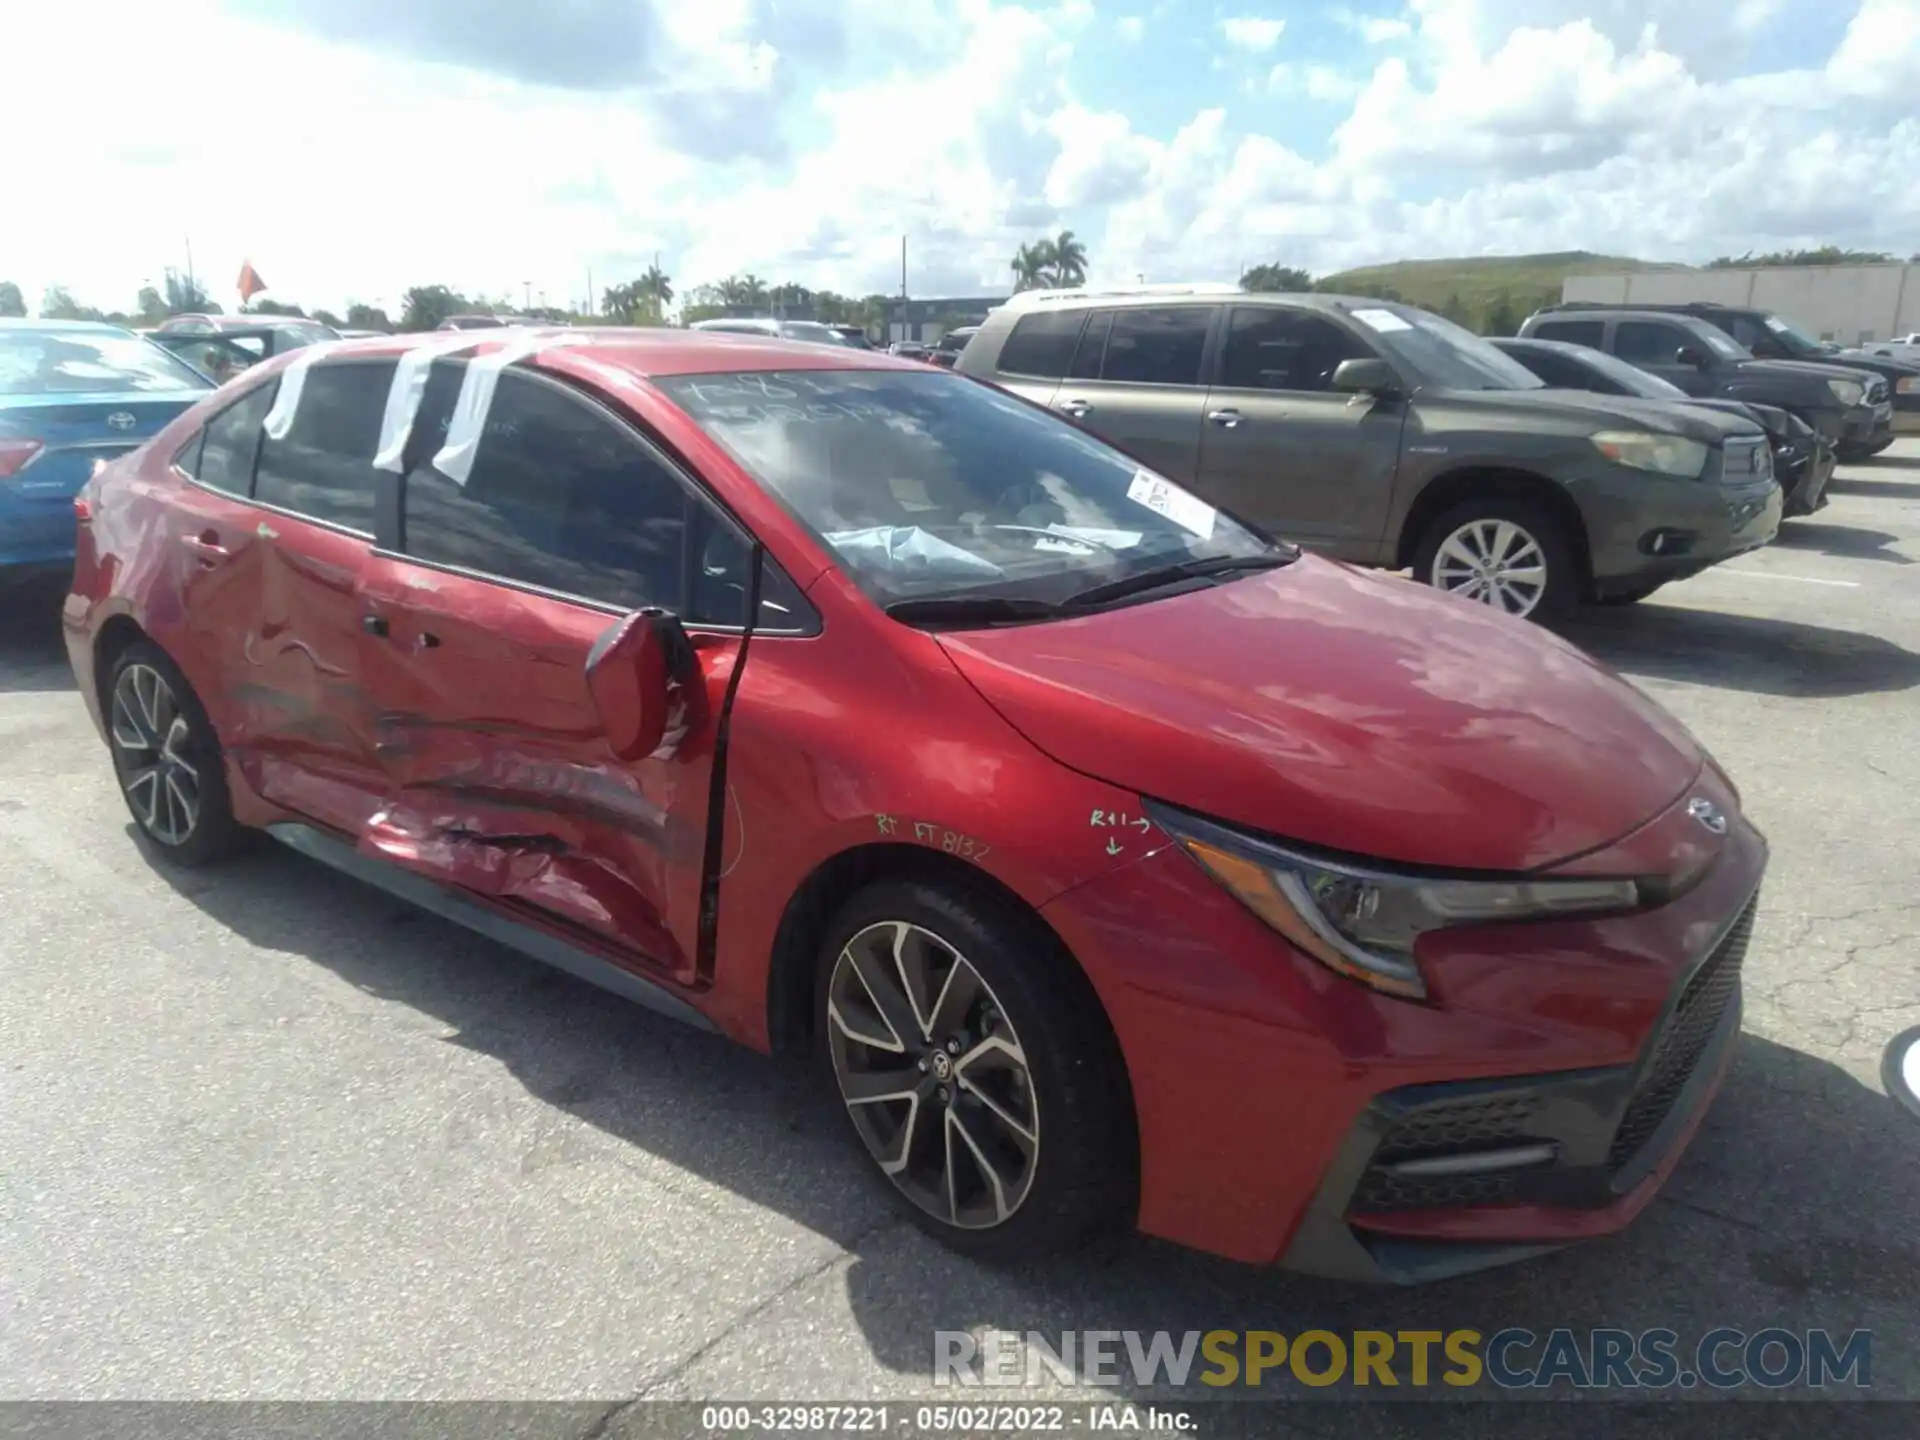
x=374 y=625
x=1075 y=408
x=206 y=548
x=1225 y=419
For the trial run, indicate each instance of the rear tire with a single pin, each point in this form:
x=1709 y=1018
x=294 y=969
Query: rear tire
x=168 y=759
x=1511 y=554
x=977 y=1070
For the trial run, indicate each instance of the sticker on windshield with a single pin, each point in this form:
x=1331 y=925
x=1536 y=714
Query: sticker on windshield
x=1776 y=324
x=1385 y=321
x=1168 y=499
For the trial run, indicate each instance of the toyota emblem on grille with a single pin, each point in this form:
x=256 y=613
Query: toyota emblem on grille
x=1708 y=814
x=121 y=420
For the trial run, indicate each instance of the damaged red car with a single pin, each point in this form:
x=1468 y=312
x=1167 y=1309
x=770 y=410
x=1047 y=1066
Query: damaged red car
x=1118 y=864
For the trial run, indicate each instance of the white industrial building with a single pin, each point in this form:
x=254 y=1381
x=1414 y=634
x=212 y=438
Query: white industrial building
x=1851 y=304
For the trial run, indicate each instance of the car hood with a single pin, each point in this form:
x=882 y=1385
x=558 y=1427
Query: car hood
x=1820 y=370
x=1885 y=365
x=1586 y=410
x=1354 y=712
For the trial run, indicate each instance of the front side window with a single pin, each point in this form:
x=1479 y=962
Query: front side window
x=1158 y=346
x=323 y=468
x=931 y=485
x=1269 y=348
x=1439 y=353
x=225 y=456
x=89 y=362
x=1647 y=342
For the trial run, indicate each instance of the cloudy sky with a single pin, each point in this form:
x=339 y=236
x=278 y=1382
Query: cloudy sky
x=351 y=148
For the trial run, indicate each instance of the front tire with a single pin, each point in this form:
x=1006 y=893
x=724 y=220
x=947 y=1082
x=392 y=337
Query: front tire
x=977 y=1070
x=1509 y=554
x=167 y=759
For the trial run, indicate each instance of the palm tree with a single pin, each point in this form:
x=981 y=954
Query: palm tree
x=1032 y=266
x=1069 y=260
x=657 y=286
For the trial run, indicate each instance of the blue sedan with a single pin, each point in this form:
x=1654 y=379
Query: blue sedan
x=71 y=393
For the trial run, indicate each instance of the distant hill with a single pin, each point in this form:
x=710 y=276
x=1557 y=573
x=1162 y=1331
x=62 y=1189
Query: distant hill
x=1470 y=288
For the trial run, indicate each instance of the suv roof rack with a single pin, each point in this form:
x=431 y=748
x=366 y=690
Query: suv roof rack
x=1027 y=299
x=1687 y=307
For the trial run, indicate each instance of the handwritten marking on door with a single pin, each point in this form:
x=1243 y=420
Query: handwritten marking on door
x=952 y=842
x=1118 y=820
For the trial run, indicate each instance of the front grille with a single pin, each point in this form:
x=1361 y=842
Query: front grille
x=1681 y=1042
x=1743 y=460
x=1447 y=1128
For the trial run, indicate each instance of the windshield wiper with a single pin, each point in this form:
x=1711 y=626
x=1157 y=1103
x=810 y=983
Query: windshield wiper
x=1183 y=570
x=972 y=610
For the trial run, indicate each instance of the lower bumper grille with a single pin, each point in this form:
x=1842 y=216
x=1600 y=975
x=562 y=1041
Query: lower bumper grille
x=1448 y=1128
x=1681 y=1042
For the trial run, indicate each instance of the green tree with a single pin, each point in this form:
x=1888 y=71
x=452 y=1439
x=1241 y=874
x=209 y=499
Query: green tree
x=1500 y=318
x=367 y=317
x=788 y=297
x=1031 y=264
x=1455 y=309
x=327 y=317
x=186 y=296
x=1822 y=255
x=425 y=306
x=12 y=303
x=57 y=303
x=273 y=307
x=1277 y=278
x=1069 y=270
x=153 y=309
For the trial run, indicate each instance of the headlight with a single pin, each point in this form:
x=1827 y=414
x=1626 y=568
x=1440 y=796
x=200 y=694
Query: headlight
x=1847 y=392
x=1662 y=454
x=1907 y=385
x=1361 y=921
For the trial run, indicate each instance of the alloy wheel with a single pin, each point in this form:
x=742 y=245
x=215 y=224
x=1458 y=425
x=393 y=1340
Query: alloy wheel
x=1495 y=562
x=151 y=739
x=933 y=1075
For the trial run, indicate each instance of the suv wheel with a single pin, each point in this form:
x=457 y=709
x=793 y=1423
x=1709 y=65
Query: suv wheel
x=981 y=1081
x=167 y=758
x=1503 y=552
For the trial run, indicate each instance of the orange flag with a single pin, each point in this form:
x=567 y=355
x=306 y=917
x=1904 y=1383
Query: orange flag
x=250 y=282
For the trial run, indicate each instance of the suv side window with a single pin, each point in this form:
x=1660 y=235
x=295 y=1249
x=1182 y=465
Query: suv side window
x=223 y=460
x=1158 y=346
x=1270 y=348
x=1092 y=353
x=323 y=469
x=1650 y=342
x=1591 y=333
x=1042 y=345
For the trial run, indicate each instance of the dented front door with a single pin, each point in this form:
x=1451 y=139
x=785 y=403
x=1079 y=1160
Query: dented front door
x=500 y=778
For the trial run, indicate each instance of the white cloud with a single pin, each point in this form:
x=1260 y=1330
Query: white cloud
x=1256 y=34
x=1386 y=29
x=1130 y=28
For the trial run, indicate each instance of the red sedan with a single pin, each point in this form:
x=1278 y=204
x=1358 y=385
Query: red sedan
x=1119 y=864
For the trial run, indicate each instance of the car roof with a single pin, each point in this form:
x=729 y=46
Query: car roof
x=647 y=351
x=96 y=327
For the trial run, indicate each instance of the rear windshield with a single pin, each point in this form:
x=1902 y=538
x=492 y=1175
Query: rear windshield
x=69 y=362
x=932 y=485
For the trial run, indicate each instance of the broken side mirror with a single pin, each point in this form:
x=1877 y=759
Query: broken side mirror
x=630 y=672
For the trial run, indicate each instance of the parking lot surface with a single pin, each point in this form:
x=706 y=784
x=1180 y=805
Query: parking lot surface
x=265 y=1133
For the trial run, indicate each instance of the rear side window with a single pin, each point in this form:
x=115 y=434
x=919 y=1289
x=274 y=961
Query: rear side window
x=1646 y=342
x=1591 y=333
x=1276 y=349
x=1092 y=353
x=323 y=469
x=1162 y=346
x=1042 y=345
x=225 y=456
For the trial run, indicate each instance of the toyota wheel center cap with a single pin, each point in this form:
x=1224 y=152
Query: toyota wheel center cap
x=1900 y=1070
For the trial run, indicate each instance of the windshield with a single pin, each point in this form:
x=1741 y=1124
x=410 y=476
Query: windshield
x=1630 y=378
x=1796 y=341
x=81 y=362
x=931 y=485
x=1441 y=354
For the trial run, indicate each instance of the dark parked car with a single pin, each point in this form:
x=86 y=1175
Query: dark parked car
x=816 y=697
x=1802 y=461
x=223 y=353
x=1386 y=435
x=1851 y=406
x=854 y=335
x=1773 y=337
x=946 y=350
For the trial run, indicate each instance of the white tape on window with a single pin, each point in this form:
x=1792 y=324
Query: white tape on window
x=404 y=395
x=293 y=380
x=469 y=422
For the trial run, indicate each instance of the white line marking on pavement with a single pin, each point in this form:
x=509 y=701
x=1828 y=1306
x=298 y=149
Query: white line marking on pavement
x=1797 y=579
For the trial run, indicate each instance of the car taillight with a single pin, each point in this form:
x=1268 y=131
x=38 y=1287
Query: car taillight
x=83 y=509
x=14 y=455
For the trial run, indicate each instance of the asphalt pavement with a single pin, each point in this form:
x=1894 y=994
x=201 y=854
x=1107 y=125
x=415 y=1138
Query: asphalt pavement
x=267 y=1134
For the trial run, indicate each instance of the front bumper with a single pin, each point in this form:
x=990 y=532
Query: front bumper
x=1646 y=529
x=1265 y=1087
x=1803 y=482
x=1866 y=428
